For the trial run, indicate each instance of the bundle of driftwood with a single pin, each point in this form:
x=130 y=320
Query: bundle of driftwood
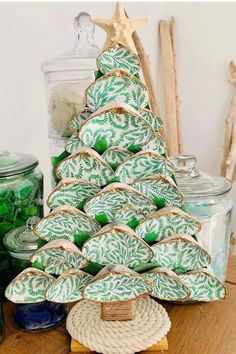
x=228 y=167
x=168 y=54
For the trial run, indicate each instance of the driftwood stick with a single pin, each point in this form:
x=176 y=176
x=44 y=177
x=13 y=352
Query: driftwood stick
x=169 y=88
x=231 y=158
x=228 y=137
x=146 y=68
x=232 y=69
x=178 y=118
x=145 y=62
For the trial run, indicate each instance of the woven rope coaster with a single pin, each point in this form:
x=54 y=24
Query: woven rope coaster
x=149 y=326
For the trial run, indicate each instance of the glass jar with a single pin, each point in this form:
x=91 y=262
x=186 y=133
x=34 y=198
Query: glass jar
x=21 y=243
x=66 y=79
x=39 y=316
x=208 y=199
x=21 y=196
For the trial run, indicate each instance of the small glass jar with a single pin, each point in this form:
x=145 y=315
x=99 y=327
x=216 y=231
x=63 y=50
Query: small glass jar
x=21 y=243
x=21 y=196
x=66 y=79
x=39 y=316
x=208 y=199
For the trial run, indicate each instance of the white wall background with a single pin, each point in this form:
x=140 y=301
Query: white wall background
x=33 y=33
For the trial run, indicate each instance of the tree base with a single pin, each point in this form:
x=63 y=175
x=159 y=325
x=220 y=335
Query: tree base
x=118 y=311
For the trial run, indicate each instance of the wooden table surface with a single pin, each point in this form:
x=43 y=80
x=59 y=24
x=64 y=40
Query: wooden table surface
x=196 y=329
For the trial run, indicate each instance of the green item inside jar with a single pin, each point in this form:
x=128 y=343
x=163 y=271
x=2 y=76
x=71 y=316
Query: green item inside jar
x=20 y=198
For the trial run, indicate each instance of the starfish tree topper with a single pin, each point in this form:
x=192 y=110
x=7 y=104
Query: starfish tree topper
x=119 y=28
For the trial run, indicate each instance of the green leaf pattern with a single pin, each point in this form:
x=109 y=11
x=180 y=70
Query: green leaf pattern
x=68 y=287
x=74 y=143
x=73 y=194
x=110 y=202
x=168 y=225
x=127 y=213
x=117 y=248
x=203 y=286
x=78 y=119
x=66 y=226
x=155 y=143
x=117 y=129
x=159 y=189
x=115 y=156
x=155 y=121
x=143 y=165
x=58 y=260
x=29 y=288
x=87 y=167
x=110 y=88
x=166 y=287
x=118 y=287
x=118 y=58
x=179 y=255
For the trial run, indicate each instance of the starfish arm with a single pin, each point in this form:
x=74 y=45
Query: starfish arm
x=103 y=23
x=119 y=11
x=138 y=23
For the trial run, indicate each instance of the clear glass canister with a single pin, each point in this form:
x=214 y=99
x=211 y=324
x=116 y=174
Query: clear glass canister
x=66 y=79
x=208 y=199
x=21 y=243
x=21 y=196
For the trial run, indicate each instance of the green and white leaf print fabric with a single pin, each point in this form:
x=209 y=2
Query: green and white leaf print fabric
x=73 y=192
x=113 y=87
x=110 y=285
x=78 y=119
x=29 y=286
x=88 y=165
x=58 y=256
x=162 y=190
x=155 y=143
x=167 y=222
x=155 y=121
x=68 y=224
x=118 y=57
x=204 y=286
x=180 y=253
x=129 y=216
x=74 y=144
x=115 y=127
x=167 y=285
x=68 y=287
x=118 y=244
x=115 y=155
x=114 y=197
x=143 y=164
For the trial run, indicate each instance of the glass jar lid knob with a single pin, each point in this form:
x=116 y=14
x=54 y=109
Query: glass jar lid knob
x=31 y=222
x=185 y=165
x=84 y=31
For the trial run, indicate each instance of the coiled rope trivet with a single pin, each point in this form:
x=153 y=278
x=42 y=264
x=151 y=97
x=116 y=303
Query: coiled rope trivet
x=150 y=325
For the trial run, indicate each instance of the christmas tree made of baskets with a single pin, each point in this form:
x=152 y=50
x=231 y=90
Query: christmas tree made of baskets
x=117 y=230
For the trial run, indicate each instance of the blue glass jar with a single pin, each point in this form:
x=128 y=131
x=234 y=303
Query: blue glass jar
x=39 y=316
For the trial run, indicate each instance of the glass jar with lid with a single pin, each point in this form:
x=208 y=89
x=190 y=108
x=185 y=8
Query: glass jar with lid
x=66 y=79
x=21 y=196
x=21 y=243
x=208 y=199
